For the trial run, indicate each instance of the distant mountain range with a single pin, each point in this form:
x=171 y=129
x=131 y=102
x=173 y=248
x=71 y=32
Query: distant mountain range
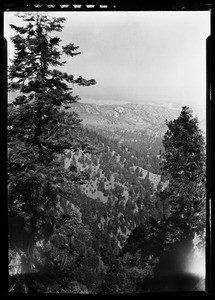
x=127 y=117
x=140 y=126
x=130 y=117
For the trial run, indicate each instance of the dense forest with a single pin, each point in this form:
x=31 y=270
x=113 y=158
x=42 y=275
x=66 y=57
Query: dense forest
x=88 y=213
x=145 y=148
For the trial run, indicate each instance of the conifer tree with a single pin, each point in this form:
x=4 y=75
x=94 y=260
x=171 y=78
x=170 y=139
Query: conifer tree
x=40 y=130
x=183 y=164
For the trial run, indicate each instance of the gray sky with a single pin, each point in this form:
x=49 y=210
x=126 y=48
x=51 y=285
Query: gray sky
x=141 y=57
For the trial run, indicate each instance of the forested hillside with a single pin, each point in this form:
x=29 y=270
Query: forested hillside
x=125 y=193
x=118 y=196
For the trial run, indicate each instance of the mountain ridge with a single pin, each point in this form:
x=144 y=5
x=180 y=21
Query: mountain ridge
x=143 y=115
x=128 y=116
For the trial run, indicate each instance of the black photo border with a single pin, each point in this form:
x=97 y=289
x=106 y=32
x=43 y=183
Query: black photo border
x=108 y=5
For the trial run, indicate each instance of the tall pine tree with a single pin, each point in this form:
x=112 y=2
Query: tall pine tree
x=40 y=131
x=184 y=165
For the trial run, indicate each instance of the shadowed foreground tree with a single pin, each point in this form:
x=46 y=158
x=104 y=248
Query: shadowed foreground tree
x=184 y=165
x=40 y=131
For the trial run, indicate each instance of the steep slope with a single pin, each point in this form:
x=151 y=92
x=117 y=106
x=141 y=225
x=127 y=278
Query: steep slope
x=119 y=196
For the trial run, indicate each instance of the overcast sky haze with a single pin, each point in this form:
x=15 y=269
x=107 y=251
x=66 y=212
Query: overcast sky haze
x=138 y=57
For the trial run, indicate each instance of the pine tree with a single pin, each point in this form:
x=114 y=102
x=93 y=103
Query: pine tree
x=183 y=164
x=40 y=131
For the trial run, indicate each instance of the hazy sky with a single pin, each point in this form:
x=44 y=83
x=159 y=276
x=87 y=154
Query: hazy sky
x=144 y=57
